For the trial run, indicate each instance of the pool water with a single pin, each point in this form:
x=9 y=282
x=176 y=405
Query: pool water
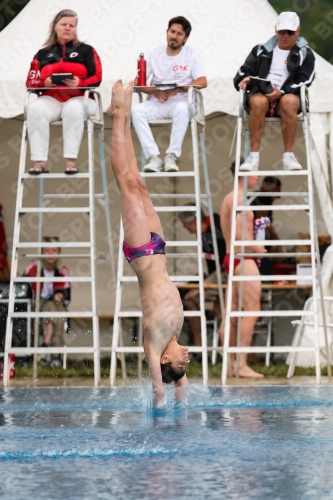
x=105 y=443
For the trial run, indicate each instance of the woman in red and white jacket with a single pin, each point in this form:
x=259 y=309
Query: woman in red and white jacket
x=62 y=53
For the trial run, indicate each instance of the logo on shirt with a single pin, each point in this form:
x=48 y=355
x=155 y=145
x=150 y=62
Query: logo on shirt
x=180 y=67
x=74 y=54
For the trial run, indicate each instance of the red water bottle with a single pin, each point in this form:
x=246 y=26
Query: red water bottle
x=141 y=71
x=11 y=365
x=34 y=74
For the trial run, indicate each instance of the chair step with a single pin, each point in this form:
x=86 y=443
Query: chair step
x=247 y=243
x=40 y=314
x=52 y=279
x=51 y=350
x=264 y=173
x=272 y=349
x=286 y=194
x=251 y=208
x=138 y=314
x=174 y=208
x=178 y=196
x=50 y=210
x=273 y=314
x=134 y=279
x=59 y=244
x=274 y=254
x=50 y=196
x=163 y=175
x=56 y=255
x=55 y=176
x=274 y=277
x=128 y=349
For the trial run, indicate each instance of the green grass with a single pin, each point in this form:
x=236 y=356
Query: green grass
x=85 y=368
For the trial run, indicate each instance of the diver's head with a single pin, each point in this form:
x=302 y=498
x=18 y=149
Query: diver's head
x=173 y=362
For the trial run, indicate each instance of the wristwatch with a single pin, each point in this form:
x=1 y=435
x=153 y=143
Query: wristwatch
x=282 y=91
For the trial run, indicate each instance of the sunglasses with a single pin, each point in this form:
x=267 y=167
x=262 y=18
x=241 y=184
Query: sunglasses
x=289 y=32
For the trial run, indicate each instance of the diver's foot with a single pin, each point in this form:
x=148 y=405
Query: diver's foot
x=117 y=107
x=128 y=98
x=247 y=372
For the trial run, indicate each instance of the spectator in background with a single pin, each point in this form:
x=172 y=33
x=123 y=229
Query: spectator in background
x=191 y=299
x=270 y=184
x=53 y=297
x=63 y=52
x=250 y=291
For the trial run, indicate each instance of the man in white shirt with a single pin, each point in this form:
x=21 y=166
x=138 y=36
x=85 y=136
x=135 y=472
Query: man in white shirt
x=174 y=64
x=288 y=63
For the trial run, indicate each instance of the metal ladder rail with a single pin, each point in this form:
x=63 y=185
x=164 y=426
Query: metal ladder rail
x=230 y=314
x=201 y=312
x=91 y=244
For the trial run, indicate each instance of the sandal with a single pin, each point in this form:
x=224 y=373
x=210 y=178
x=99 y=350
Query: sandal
x=37 y=170
x=71 y=170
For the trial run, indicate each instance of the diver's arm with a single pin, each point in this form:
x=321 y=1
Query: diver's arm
x=180 y=390
x=154 y=362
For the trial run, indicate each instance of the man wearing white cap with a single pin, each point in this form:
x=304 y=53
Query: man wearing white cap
x=288 y=63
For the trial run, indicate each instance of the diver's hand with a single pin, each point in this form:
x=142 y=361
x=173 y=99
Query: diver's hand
x=158 y=399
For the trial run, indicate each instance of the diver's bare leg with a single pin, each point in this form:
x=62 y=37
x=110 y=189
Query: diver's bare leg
x=136 y=229
x=152 y=217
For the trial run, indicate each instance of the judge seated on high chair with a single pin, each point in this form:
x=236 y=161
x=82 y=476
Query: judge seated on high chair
x=179 y=65
x=288 y=63
x=63 y=53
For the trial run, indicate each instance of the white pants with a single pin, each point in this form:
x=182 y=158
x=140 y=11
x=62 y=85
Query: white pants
x=155 y=110
x=47 y=109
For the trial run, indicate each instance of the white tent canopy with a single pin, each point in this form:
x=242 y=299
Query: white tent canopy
x=223 y=31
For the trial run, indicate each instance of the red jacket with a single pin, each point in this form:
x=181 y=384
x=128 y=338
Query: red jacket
x=80 y=59
x=31 y=270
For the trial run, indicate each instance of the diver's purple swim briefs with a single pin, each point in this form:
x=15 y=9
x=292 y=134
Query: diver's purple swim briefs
x=154 y=246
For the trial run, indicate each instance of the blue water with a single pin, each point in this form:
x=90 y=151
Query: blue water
x=105 y=443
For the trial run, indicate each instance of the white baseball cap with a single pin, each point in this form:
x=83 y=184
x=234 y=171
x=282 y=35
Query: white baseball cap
x=287 y=21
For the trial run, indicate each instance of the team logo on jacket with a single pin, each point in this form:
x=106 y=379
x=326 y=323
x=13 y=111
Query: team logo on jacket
x=74 y=54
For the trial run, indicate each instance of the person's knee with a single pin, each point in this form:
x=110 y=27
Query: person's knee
x=138 y=111
x=181 y=110
x=258 y=103
x=289 y=104
x=73 y=109
x=36 y=110
x=191 y=300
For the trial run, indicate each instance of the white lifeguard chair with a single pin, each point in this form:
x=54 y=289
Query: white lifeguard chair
x=197 y=118
x=92 y=123
x=307 y=205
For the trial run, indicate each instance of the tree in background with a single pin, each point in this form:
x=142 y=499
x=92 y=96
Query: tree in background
x=316 y=21
x=9 y=9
